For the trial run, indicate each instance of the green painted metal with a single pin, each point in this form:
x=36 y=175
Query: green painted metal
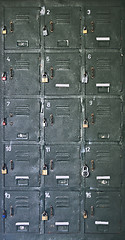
x=62 y=120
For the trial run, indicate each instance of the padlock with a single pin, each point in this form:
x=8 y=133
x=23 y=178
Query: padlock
x=45 y=78
x=4 y=76
x=85 y=124
x=85 y=214
x=4 y=214
x=4 y=122
x=4 y=169
x=44 y=216
x=85 y=171
x=45 y=31
x=45 y=171
x=85 y=31
x=4 y=31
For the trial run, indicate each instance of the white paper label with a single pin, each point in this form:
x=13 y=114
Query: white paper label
x=62 y=177
x=62 y=223
x=102 y=177
x=101 y=223
x=102 y=84
x=103 y=38
x=21 y=177
x=22 y=223
x=62 y=85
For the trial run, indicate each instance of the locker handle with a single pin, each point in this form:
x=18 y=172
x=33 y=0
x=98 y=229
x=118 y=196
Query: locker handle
x=51 y=164
x=92 y=211
x=11 y=27
x=11 y=211
x=92 y=118
x=51 y=24
x=92 y=28
x=51 y=211
x=52 y=73
x=92 y=163
x=51 y=119
x=92 y=72
x=11 y=73
x=11 y=165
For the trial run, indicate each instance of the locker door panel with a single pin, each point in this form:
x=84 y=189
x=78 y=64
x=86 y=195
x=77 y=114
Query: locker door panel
x=104 y=162
x=59 y=159
x=104 y=214
x=62 y=120
x=104 y=119
x=22 y=28
x=63 y=27
x=22 y=119
x=23 y=165
x=63 y=71
x=104 y=72
x=63 y=210
x=103 y=25
x=22 y=212
x=22 y=74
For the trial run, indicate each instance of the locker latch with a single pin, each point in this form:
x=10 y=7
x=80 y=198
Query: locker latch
x=4 y=169
x=85 y=124
x=4 y=31
x=44 y=216
x=45 y=78
x=85 y=78
x=4 y=76
x=85 y=215
x=85 y=171
x=85 y=31
x=44 y=122
x=45 y=170
x=45 y=31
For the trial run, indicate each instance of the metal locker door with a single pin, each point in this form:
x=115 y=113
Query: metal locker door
x=104 y=163
x=63 y=27
x=104 y=214
x=22 y=25
x=104 y=71
x=21 y=119
x=63 y=209
x=22 y=71
x=63 y=71
x=62 y=120
x=22 y=162
x=103 y=26
x=104 y=117
x=22 y=211
x=59 y=159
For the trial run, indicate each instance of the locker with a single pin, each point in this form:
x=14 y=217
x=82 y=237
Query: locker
x=62 y=115
x=22 y=26
x=22 y=212
x=22 y=163
x=104 y=119
x=104 y=214
x=103 y=25
x=63 y=73
x=22 y=74
x=22 y=119
x=63 y=27
x=63 y=211
x=59 y=159
x=101 y=159
x=103 y=68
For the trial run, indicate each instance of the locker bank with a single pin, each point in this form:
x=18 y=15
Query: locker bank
x=62 y=115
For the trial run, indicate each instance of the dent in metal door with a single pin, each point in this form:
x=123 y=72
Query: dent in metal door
x=62 y=120
x=104 y=163
x=22 y=210
x=104 y=117
x=63 y=163
x=63 y=211
x=104 y=70
x=63 y=27
x=22 y=119
x=103 y=26
x=22 y=28
x=22 y=74
x=63 y=71
x=104 y=212
x=22 y=162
